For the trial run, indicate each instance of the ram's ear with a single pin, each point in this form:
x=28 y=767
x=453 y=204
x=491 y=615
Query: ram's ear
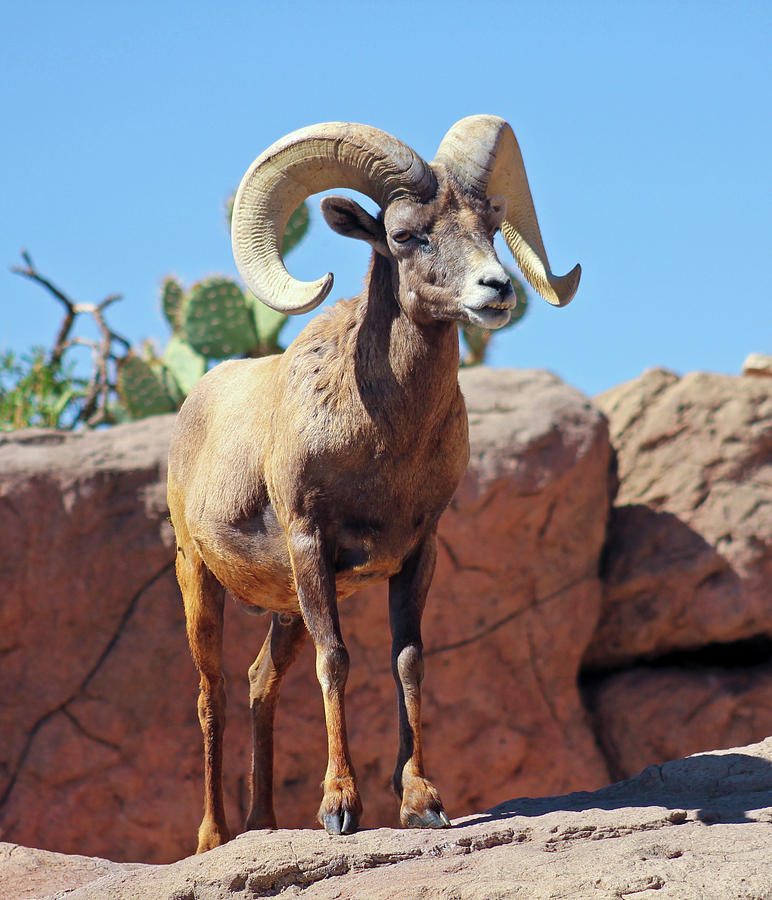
x=349 y=219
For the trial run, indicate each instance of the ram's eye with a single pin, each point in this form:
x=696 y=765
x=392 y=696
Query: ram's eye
x=402 y=237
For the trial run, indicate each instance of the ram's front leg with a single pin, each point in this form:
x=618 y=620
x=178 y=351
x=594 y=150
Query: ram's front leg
x=341 y=807
x=421 y=805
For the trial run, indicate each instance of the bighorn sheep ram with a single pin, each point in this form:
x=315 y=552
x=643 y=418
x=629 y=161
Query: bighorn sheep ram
x=295 y=480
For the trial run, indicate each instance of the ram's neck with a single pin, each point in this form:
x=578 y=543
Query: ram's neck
x=406 y=372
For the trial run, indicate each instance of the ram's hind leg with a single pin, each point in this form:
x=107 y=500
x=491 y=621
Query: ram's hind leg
x=282 y=645
x=420 y=803
x=203 y=597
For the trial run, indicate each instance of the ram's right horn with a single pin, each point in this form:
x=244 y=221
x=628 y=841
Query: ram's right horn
x=483 y=154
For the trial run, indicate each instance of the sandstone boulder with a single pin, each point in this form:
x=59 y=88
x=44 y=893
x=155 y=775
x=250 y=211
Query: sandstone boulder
x=680 y=659
x=101 y=749
x=695 y=829
x=759 y=364
x=645 y=716
x=689 y=556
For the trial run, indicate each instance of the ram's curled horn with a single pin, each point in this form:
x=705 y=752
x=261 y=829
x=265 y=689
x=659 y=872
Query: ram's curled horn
x=313 y=159
x=483 y=154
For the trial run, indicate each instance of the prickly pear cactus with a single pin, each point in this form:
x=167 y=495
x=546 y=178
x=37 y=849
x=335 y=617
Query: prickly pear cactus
x=268 y=324
x=164 y=374
x=214 y=320
x=172 y=301
x=142 y=388
x=183 y=364
x=296 y=228
x=522 y=301
x=217 y=321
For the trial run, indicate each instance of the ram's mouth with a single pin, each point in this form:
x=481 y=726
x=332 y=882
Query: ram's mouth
x=494 y=314
x=503 y=304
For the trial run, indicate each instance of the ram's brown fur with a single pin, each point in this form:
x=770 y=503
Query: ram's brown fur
x=295 y=480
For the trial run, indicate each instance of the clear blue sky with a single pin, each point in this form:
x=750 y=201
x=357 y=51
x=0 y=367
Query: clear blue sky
x=646 y=129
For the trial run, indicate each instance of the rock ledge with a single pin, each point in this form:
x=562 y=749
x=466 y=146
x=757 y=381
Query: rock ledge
x=695 y=828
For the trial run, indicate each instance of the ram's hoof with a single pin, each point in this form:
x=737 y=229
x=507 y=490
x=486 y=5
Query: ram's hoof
x=334 y=824
x=429 y=818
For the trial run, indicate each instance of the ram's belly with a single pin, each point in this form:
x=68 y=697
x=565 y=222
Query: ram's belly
x=253 y=576
x=267 y=583
x=371 y=569
x=372 y=549
x=252 y=561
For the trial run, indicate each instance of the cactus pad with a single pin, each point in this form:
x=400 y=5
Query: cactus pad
x=296 y=228
x=141 y=389
x=522 y=300
x=268 y=323
x=183 y=364
x=217 y=321
x=172 y=298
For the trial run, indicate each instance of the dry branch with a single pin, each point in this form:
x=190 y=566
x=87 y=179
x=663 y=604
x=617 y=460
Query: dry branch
x=101 y=384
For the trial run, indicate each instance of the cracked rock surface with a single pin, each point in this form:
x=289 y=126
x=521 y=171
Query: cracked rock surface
x=100 y=746
x=681 y=655
x=689 y=560
x=101 y=751
x=695 y=829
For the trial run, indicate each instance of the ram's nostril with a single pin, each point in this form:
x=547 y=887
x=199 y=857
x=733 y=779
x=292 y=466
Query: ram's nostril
x=504 y=287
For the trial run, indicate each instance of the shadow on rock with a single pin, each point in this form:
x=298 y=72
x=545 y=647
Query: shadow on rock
x=720 y=787
x=666 y=588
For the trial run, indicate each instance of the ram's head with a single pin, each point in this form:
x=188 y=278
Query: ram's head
x=436 y=224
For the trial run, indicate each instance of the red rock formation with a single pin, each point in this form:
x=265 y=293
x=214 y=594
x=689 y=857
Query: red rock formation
x=688 y=565
x=689 y=558
x=646 y=837
x=101 y=750
x=646 y=716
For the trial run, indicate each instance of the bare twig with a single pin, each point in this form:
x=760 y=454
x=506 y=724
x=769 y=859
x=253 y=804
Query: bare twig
x=99 y=387
x=70 y=310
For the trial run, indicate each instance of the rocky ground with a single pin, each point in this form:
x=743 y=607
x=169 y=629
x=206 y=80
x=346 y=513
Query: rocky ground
x=601 y=603
x=696 y=829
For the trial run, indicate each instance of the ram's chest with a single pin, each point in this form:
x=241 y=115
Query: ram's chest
x=383 y=507
x=373 y=508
